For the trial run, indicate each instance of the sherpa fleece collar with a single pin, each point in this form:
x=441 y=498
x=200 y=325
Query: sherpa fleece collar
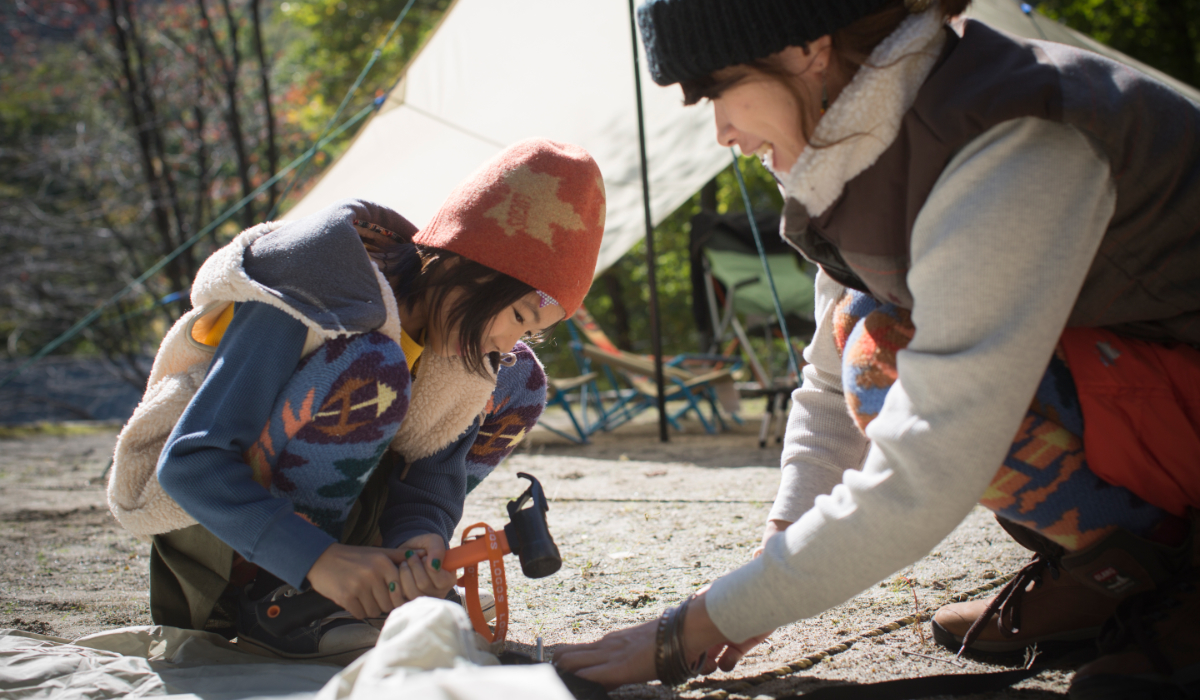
x=865 y=119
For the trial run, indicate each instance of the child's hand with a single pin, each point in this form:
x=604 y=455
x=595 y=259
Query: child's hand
x=421 y=573
x=356 y=578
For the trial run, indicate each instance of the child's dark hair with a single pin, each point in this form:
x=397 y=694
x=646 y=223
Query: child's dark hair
x=485 y=293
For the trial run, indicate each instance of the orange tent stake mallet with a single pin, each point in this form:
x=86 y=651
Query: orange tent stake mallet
x=526 y=535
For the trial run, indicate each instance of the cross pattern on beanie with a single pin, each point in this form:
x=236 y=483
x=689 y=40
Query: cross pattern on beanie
x=516 y=213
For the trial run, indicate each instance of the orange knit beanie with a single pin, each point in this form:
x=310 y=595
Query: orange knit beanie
x=535 y=212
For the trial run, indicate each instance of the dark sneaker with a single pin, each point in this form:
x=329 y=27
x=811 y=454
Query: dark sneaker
x=334 y=639
x=1150 y=649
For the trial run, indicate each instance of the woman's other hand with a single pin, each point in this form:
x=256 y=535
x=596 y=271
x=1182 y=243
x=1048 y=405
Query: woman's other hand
x=723 y=655
x=356 y=578
x=419 y=561
x=773 y=528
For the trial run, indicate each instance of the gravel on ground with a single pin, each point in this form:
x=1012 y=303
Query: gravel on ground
x=640 y=524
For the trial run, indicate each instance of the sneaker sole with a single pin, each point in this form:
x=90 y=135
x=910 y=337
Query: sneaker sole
x=341 y=658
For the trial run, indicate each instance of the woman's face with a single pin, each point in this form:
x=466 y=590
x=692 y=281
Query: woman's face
x=522 y=319
x=761 y=113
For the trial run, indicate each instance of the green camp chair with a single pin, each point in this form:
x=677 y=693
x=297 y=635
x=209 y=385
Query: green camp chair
x=746 y=295
x=739 y=297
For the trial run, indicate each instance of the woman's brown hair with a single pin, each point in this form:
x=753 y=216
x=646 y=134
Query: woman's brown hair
x=851 y=47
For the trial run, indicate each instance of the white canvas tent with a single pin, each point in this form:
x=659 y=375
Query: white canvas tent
x=497 y=71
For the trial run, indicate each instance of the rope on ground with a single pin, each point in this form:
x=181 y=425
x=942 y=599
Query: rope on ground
x=737 y=686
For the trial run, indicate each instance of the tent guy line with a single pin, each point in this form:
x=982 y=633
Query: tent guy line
x=456 y=127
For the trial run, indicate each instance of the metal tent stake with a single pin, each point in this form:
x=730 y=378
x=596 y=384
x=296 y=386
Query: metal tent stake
x=651 y=264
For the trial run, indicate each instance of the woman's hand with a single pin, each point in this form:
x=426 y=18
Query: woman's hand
x=356 y=578
x=627 y=656
x=617 y=658
x=421 y=574
x=773 y=528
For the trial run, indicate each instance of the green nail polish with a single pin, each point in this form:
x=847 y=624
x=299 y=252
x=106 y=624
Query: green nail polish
x=408 y=554
x=392 y=586
x=437 y=564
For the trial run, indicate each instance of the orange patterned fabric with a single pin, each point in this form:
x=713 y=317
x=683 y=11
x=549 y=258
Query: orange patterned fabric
x=1045 y=482
x=868 y=335
x=331 y=424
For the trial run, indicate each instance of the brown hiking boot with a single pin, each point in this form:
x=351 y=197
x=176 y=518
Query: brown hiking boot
x=1041 y=605
x=1150 y=649
x=1058 y=601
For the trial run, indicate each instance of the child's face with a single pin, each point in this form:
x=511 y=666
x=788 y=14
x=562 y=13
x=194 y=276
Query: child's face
x=523 y=319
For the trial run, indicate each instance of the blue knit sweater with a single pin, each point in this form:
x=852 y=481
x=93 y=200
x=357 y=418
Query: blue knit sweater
x=204 y=469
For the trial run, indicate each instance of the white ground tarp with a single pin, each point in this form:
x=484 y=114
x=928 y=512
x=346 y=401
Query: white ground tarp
x=427 y=650
x=498 y=71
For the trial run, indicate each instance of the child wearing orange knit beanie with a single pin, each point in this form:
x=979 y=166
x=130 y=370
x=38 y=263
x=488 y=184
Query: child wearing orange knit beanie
x=313 y=426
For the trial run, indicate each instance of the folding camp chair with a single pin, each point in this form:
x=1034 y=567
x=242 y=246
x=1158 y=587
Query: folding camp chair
x=559 y=392
x=633 y=390
x=737 y=300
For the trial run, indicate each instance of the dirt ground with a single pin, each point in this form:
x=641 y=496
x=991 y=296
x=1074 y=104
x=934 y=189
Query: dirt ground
x=640 y=524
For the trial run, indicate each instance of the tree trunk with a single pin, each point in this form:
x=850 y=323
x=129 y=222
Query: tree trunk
x=264 y=72
x=121 y=22
x=708 y=196
x=230 y=67
x=154 y=127
x=201 y=168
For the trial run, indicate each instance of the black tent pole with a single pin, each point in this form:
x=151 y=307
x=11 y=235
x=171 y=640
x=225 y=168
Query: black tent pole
x=651 y=264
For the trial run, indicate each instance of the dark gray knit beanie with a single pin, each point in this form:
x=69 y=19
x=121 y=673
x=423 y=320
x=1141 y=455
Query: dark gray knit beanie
x=688 y=39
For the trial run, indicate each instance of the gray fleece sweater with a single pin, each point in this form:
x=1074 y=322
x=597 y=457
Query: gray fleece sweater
x=999 y=254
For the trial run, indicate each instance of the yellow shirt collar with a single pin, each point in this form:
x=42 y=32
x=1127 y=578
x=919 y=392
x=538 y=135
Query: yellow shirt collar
x=412 y=349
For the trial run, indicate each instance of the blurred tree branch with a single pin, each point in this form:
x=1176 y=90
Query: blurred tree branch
x=126 y=125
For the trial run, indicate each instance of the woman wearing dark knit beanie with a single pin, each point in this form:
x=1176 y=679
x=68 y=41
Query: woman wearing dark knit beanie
x=1008 y=305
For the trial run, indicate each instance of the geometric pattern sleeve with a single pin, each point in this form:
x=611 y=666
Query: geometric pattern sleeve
x=515 y=407
x=429 y=497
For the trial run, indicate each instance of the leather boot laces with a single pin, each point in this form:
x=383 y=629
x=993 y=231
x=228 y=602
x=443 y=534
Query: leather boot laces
x=1007 y=602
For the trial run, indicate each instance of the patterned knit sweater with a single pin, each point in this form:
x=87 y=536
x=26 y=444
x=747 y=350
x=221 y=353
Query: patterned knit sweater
x=210 y=420
x=238 y=433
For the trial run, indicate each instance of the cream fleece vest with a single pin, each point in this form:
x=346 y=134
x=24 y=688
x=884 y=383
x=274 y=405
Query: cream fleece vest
x=446 y=398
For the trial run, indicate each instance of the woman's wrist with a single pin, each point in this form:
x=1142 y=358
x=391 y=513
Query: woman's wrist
x=700 y=633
